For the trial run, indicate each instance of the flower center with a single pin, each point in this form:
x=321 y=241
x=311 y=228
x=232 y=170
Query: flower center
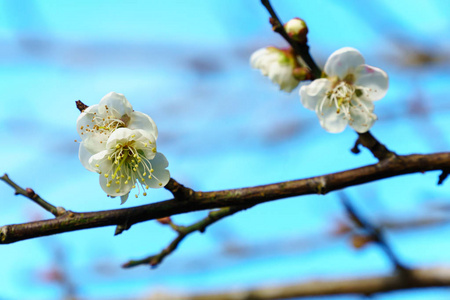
x=129 y=165
x=105 y=124
x=341 y=96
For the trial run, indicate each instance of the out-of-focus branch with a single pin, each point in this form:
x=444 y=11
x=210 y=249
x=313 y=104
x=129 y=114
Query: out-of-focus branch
x=184 y=231
x=30 y=194
x=419 y=278
x=71 y=221
x=375 y=234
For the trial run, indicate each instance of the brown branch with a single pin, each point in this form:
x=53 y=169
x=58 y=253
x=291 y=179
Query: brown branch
x=71 y=221
x=420 y=278
x=30 y=194
x=183 y=232
x=378 y=150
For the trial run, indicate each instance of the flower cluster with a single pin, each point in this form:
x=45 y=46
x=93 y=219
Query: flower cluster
x=345 y=93
x=120 y=144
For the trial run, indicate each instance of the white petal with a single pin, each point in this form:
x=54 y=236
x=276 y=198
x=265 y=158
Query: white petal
x=266 y=59
x=99 y=162
x=329 y=119
x=375 y=82
x=116 y=103
x=142 y=121
x=160 y=173
x=282 y=75
x=124 y=198
x=84 y=155
x=84 y=119
x=343 y=62
x=362 y=117
x=259 y=60
x=115 y=189
x=146 y=143
x=314 y=93
x=122 y=136
x=95 y=142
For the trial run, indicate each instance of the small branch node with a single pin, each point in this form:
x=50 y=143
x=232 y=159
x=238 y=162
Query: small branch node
x=164 y=221
x=443 y=176
x=81 y=106
x=355 y=148
x=320 y=184
x=61 y=211
x=30 y=193
x=3 y=233
x=179 y=191
x=121 y=228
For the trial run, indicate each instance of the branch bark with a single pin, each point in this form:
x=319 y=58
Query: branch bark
x=417 y=278
x=195 y=201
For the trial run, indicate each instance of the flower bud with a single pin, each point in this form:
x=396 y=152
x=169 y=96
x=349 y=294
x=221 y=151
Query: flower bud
x=296 y=28
x=164 y=221
x=301 y=73
x=359 y=241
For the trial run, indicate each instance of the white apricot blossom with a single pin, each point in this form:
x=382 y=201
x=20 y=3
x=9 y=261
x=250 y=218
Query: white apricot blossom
x=346 y=95
x=278 y=65
x=97 y=122
x=130 y=159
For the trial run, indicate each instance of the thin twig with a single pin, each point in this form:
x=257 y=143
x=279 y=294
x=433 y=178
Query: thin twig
x=30 y=194
x=301 y=49
x=323 y=184
x=184 y=231
x=443 y=176
x=374 y=233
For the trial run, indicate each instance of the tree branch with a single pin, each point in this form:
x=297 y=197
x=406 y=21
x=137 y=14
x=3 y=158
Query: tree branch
x=30 y=194
x=420 y=278
x=71 y=221
x=183 y=232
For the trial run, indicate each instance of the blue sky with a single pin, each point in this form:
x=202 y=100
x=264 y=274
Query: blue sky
x=221 y=125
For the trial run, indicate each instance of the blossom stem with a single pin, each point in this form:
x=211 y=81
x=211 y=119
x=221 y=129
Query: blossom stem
x=30 y=194
x=378 y=150
x=301 y=49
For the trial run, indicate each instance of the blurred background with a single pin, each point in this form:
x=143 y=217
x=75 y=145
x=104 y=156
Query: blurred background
x=221 y=125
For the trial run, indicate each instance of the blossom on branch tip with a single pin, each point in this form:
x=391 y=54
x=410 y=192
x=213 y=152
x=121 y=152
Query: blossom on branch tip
x=120 y=144
x=130 y=159
x=278 y=65
x=346 y=95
